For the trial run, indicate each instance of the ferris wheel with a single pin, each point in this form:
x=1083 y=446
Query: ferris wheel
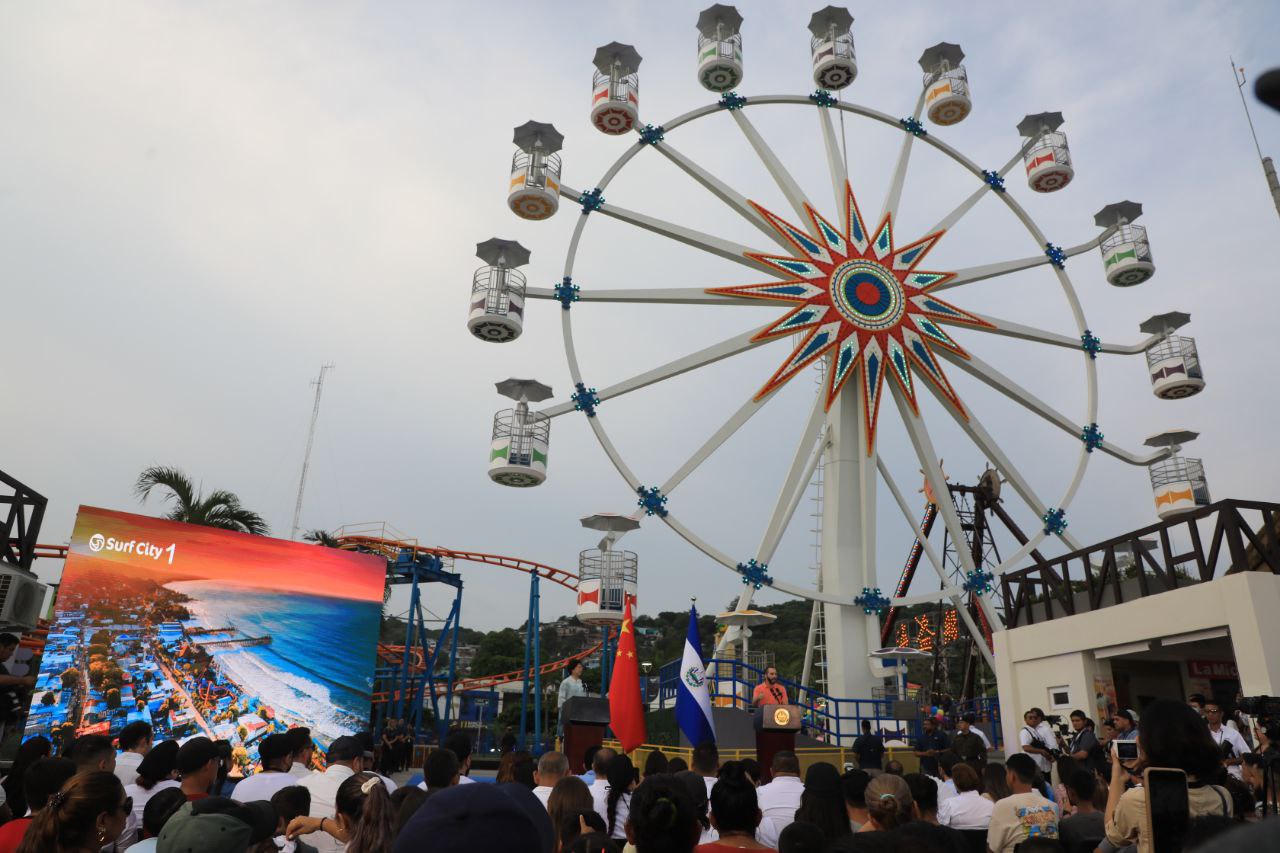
x=843 y=287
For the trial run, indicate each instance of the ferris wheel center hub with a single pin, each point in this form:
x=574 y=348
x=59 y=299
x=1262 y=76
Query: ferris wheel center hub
x=867 y=295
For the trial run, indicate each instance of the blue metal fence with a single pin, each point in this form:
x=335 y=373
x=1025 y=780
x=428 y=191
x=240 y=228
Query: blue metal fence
x=833 y=719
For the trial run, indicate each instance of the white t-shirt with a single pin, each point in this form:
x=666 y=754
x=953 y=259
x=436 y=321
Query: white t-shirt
x=324 y=792
x=543 y=793
x=261 y=786
x=1233 y=737
x=1049 y=740
x=778 y=802
x=966 y=810
x=1019 y=817
x=127 y=767
x=600 y=800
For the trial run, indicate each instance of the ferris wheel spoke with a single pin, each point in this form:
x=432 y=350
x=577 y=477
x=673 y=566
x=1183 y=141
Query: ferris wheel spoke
x=739 y=343
x=928 y=457
x=948 y=588
x=1008 y=328
x=949 y=221
x=726 y=249
x=972 y=274
x=712 y=444
x=835 y=159
x=987 y=374
x=899 y=179
x=650 y=295
x=983 y=440
x=731 y=197
x=790 y=189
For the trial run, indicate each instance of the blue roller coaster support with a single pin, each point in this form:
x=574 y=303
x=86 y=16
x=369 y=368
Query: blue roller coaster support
x=409 y=690
x=532 y=672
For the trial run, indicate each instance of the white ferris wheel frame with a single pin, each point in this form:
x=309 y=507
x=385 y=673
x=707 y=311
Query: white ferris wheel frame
x=817 y=435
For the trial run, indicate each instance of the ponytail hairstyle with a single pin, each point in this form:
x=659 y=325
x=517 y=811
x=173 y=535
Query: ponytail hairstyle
x=69 y=821
x=662 y=819
x=621 y=774
x=889 y=802
x=365 y=808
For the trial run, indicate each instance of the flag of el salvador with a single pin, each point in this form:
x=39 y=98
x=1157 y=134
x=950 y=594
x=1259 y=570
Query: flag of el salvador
x=693 y=698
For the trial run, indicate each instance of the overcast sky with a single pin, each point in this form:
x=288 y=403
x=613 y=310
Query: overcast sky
x=202 y=203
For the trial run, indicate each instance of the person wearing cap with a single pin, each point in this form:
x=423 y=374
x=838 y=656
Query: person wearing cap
x=275 y=752
x=1126 y=723
x=344 y=759
x=303 y=751
x=198 y=763
x=217 y=825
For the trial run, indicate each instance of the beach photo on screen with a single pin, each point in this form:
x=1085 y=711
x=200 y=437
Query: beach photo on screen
x=202 y=631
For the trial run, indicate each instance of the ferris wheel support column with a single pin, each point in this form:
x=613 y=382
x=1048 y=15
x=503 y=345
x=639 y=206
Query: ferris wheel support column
x=848 y=547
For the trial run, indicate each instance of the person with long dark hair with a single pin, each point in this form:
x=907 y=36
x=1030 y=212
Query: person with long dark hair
x=661 y=819
x=655 y=762
x=697 y=789
x=1172 y=735
x=364 y=820
x=29 y=753
x=995 y=783
x=735 y=813
x=87 y=814
x=570 y=796
x=822 y=802
x=621 y=775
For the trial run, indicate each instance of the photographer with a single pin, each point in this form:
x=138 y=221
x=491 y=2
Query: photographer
x=1172 y=736
x=1039 y=740
x=1229 y=742
x=1084 y=746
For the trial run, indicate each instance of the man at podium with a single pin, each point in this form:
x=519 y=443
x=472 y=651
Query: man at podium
x=769 y=691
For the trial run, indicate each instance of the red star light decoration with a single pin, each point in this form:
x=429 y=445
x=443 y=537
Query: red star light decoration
x=862 y=301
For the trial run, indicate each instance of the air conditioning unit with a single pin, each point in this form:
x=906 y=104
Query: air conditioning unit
x=21 y=599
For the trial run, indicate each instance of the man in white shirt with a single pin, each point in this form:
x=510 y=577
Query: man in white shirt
x=706 y=763
x=135 y=742
x=947 y=762
x=1227 y=739
x=552 y=767
x=460 y=745
x=968 y=809
x=276 y=755
x=439 y=770
x=345 y=758
x=779 y=799
x=1037 y=738
x=303 y=750
x=600 y=765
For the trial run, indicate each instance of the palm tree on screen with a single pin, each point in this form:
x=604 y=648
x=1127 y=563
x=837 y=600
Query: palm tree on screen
x=219 y=508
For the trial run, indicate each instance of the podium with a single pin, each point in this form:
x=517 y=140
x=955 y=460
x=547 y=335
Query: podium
x=776 y=727
x=585 y=719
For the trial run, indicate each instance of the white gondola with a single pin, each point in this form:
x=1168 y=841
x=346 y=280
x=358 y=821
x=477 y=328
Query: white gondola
x=834 y=64
x=534 y=191
x=1126 y=253
x=1174 y=364
x=946 y=84
x=1047 y=159
x=719 y=48
x=497 y=291
x=521 y=438
x=606 y=575
x=1178 y=482
x=615 y=89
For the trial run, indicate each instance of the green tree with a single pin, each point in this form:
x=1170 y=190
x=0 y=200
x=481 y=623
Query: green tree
x=113 y=698
x=323 y=538
x=219 y=508
x=48 y=698
x=70 y=678
x=499 y=651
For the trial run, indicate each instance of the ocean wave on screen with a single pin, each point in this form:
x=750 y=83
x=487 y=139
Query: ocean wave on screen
x=288 y=693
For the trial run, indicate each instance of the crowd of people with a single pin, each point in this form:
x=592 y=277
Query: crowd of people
x=1061 y=793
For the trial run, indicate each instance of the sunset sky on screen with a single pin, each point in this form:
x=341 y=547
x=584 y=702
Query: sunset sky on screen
x=202 y=553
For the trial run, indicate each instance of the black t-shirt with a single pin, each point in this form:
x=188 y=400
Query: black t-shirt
x=870 y=751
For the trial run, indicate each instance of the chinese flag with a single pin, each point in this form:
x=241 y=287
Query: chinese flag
x=626 y=712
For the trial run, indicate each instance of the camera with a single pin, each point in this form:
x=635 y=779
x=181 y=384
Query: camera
x=1261 y=706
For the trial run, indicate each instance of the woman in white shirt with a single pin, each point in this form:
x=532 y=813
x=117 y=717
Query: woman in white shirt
x=968 y=809
x=158 y=770
x=615 y=807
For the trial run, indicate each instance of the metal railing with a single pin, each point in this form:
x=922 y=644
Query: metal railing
x=835 y=720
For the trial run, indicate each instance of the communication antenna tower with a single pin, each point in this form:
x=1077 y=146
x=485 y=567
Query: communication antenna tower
x=311 y=438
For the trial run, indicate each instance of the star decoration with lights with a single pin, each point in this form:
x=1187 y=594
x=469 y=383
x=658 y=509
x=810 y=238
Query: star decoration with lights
x=863 y=301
